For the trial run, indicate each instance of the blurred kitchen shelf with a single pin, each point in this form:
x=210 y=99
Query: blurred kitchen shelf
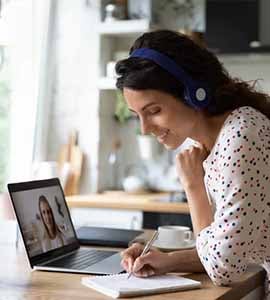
x=146 y=202
x=106 y=83
x=245 y=58
x=125 y=27
x=114 y=41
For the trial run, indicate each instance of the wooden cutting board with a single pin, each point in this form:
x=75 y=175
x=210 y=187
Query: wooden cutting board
x=72 y=154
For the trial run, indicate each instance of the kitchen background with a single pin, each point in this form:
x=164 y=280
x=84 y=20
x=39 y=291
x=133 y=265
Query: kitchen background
x=60 y=57
x=80 y=48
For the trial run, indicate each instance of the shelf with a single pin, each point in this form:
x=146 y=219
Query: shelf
x=148 y=202
x=245 y=58
x=106 y=83
x=125 y=27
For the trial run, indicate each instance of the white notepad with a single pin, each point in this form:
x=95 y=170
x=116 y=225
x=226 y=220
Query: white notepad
x=118 y=286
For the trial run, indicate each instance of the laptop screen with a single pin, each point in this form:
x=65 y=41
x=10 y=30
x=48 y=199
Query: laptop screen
x=44 y=218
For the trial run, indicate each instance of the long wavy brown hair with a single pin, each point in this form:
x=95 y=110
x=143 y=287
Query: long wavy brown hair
x=227 y=92
x=43 y=199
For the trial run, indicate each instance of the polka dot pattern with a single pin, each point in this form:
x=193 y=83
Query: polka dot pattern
x=237 y=178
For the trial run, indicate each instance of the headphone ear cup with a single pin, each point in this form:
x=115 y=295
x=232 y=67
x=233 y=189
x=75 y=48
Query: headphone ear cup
x=200 y=94
x=197 y=97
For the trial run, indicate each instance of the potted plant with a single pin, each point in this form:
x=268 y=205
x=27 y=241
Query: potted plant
x=122 y=113
x=149 y=148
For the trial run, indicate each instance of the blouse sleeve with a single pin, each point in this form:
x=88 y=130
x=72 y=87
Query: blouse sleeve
x=241 y=204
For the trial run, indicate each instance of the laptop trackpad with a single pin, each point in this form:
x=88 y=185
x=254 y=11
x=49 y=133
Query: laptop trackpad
x=109 y=265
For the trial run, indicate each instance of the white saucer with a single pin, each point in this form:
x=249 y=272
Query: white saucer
x=189 y=245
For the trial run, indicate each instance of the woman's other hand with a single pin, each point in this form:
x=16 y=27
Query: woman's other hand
x=152 y=263
x=190 y=170
x=189 y=165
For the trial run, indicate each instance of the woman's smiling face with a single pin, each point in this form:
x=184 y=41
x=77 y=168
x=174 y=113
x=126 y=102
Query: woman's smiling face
x=46 y=214
x=161 y=115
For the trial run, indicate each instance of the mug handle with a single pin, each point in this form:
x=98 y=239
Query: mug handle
x=188 y=236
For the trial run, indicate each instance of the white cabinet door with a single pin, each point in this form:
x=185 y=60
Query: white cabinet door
x=126 y=219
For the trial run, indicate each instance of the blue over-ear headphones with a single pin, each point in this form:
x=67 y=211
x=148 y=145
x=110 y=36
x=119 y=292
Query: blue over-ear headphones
x=196 y=93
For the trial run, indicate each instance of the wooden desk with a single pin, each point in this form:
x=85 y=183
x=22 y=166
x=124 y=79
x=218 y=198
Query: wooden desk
x=18 y=282
x=121 y=200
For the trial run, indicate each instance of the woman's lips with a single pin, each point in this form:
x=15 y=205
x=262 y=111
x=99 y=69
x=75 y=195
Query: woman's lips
x=161 y=138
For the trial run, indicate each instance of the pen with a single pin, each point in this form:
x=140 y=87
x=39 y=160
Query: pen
x=147 y=247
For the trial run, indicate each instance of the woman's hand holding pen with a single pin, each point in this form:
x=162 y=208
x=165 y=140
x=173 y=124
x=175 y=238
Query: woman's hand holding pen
x=152 y=263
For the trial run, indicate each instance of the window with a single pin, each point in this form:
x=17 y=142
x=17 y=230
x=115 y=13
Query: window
x=4 y=116
x=18 y=107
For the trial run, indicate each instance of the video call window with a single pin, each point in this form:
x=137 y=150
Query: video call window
x=44 y=219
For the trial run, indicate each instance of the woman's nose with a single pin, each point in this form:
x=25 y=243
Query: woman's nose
x=145 y=126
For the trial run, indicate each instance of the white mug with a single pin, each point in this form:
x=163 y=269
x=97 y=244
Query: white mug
x=173 y=236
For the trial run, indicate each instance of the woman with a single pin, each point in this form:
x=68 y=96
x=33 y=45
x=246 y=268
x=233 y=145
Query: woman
x=53 y=237
x=178 y=89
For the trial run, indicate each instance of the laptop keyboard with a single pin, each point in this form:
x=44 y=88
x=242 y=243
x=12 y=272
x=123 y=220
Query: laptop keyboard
x=81 y=259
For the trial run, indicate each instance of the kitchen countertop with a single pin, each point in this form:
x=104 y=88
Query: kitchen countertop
x=148 y=202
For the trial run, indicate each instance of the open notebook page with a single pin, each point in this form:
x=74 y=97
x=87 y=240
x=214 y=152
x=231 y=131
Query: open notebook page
x=118 y=286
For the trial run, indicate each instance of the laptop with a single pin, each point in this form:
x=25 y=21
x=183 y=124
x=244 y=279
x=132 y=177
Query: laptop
x=48 y=233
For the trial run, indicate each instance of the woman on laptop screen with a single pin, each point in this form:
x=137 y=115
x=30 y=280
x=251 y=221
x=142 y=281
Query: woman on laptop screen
x=53 y=236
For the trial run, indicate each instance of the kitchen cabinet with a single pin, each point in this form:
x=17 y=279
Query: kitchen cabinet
x=112 y=218
x=114 y=41
x=124 y=210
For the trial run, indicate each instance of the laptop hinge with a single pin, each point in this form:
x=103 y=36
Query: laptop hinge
x=56 y=258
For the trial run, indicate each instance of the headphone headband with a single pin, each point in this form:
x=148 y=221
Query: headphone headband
x=196 y=93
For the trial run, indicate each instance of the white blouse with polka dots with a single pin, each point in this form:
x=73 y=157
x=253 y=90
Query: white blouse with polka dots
x=237 y=179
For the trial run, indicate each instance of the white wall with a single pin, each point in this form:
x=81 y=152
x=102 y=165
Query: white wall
x=250 y=67
x=74 y=99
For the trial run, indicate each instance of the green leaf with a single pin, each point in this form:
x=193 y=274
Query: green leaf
x=122 y=112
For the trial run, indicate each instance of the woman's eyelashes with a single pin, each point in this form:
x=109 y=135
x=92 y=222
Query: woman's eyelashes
x=150 y=112
x=154 y=111
x=134 y=115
